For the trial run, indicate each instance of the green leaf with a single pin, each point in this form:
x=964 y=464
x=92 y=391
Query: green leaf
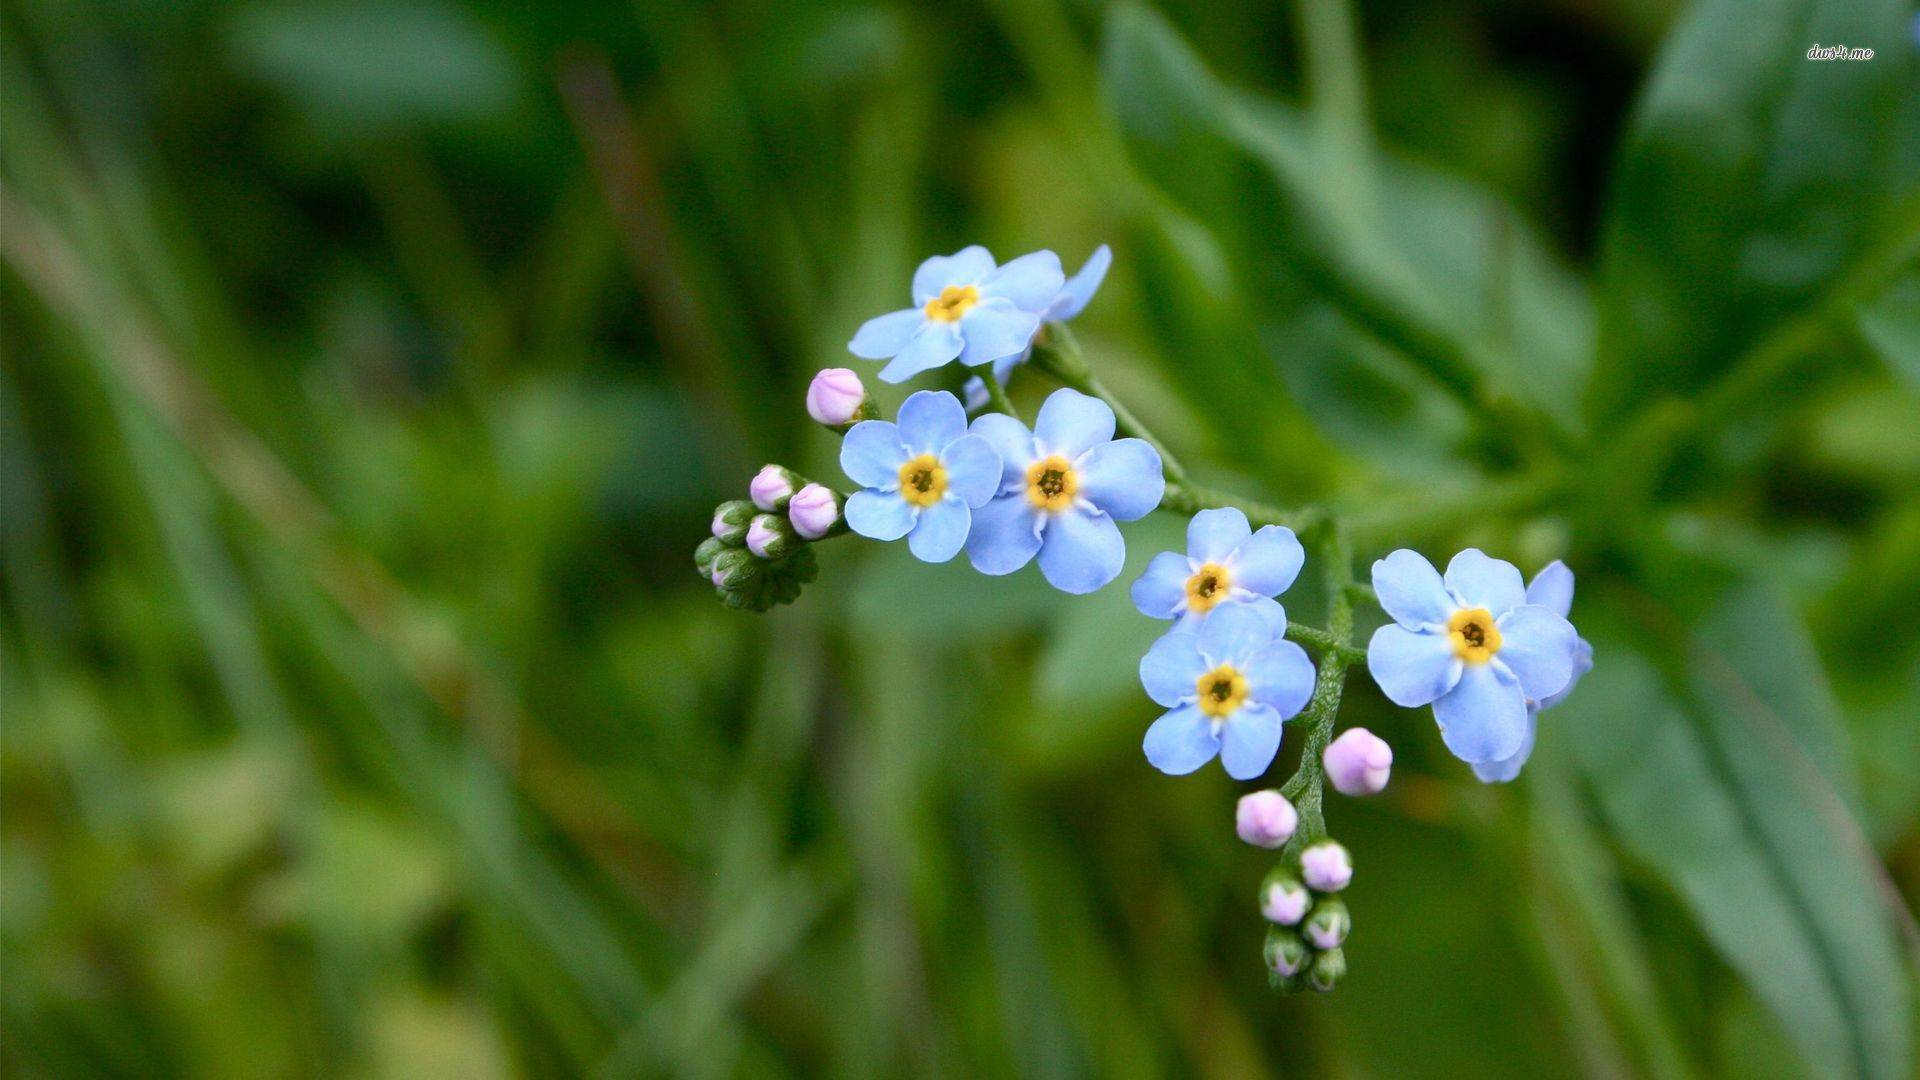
x=1891 y=326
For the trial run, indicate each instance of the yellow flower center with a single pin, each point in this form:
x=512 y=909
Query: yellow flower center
x=1475 y=638
x=923 y=480
x=1207 y=587
x=1221 y=691
x=953 y=302
x=1051 y=483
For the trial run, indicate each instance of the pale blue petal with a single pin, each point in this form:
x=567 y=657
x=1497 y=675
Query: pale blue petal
x=1280 y=676
x=871 y=454
x=1582 y=663
x=1233 y=632
x=1268 y=561
x=1484 y=716
x=1171 y=670
x=995 y=330
x=879 y=515
x=885 y=335
x=1499 y=772
x=1552 y=588
x=929 y=420
x=934 y=345
x=941 y=531
x=968 y=266
x=973 y=470
x=1249 y=741
x=1412 y=668
x=1072 y=423
x=1030 y=281
x=1004 y=536
x=1181 y=741
x=974 y=392
x=1123 y=478
x=1011 y=440
x=1537 y=646
x=1160 y=591
x=1213 y=534
x=1079 y=289
x=1266 y=607
x=1482 y=581
x=1410 y=590
x=1081 y=551
x=1003 y=367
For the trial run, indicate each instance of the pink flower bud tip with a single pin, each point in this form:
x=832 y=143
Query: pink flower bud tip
x=1285 y=902
x=769 y=487
x=719 y=579
x=720 y=526
x=760 y=534
x=1265 y=819
x=1358 y=762
x=835 y=396
x=1326 y=866
x=813 y=510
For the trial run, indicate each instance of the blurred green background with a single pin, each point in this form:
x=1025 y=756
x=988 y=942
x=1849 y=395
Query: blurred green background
x=371 y=369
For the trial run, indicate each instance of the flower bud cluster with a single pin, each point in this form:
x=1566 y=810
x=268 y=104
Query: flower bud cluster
x=760 y=553
x=1310 y=921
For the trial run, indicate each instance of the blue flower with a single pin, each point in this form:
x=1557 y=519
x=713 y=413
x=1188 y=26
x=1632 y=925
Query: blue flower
x=1551 y=588
x=1226 y=564
x=1227 y=687
x=1072 y=299
x=1473 y=647
x=1062 y=487
x=923 y=476
x=964 y=308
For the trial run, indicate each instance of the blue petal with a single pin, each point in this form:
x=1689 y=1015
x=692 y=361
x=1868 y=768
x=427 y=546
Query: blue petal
x=1537 y=646
x=885 y=335
x=1123 y=478
x=1081 y=551
x=1410 y=590
x=1030 y=281
x=968 y=266
x=1213 y=534
x=1552 y=588
x=995 y=330
x=974 y=393
x=1484 y=716
x=1412 y=668
x=1079 y=289
x=1171 y=669
x=1011 y=440
x=1161 y=591
x=934 y=345
x=1233 y=632
x=1280 y=676
x=1005 y=535
x=1482 y=581
x=941 y=531
x=1249 y=741
x=1072 y=423
x=871 y=454
x=973 y=470
x=879 y=515
x=1268 y=562
x=1181 y=741
x=1499 y=772
x=1266 y=607
x=1582 y=663
x=1003 y=367
x=929 y=420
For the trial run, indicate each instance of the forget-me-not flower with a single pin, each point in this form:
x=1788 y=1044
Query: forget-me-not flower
x=1071 y=300
x=1226 y=563
x=1551 y=588
x=1062 y=487
x=1472 y=646
x=1228 y=686
x=965 y=308
x=923 y=477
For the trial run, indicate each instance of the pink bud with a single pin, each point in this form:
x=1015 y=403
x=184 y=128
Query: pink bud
x=1358 y=762
x=835 y=396
x=770 y=488
x=1265 y=819
x=760 y=534
x=720 y=526
x=1326 y=866
x=719 y=579
x=1285 y=902
x=813 y=510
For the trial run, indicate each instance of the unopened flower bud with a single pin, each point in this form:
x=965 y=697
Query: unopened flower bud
x=1358 y=762
x=770 y=537
x=719 y=579
x=814 y=510
x=709 y=549
x=1326 y=867
x=1328 y=969
x=837 y=399
x=733 y=568
x=772 y=486
x=1283 y=899
x=1265 y=819
x=1327 y=925
x=1285 y=953
x=730 y=521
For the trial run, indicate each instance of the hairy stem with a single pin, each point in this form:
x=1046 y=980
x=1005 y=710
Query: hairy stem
x=1305 y=788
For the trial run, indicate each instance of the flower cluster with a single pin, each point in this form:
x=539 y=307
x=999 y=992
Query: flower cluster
x=1299 y=898
x=760 y=553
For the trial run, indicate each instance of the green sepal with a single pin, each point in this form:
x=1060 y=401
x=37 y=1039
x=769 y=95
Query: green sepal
x=1328 y=969
x=730 y=521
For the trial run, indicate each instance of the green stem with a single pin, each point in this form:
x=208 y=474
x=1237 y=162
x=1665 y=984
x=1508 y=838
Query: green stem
x=1185 y=498
x=1305 y=788
x=997 y=398
x=1058 y=354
